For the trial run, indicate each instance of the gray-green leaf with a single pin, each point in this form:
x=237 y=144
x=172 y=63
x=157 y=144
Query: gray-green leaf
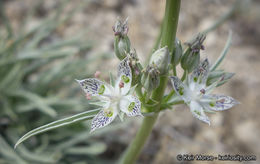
x=59 y=123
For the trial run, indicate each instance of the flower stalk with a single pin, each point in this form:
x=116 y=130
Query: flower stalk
x=168 y=37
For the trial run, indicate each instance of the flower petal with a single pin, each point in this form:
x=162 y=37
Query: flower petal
x=103 y=118
x=124 y=76
x=181 y=89
x=200 y=74
x=95 y=87
x=130 y=105
x=220 y=103
x=197 y=111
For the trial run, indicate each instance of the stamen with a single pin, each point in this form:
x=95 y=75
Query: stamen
x=203 y=91
x=121 y=84
x=202 y=47
x=97 y=74
x=88 y=96
x=137 y=72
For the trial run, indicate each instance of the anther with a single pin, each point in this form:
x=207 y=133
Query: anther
x=88 y=96
x=202 y=91
x=97 y=74
x=121 y=84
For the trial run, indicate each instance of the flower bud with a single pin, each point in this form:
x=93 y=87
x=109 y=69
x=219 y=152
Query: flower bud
x=176 y=53
x=136 y=67
x=121 y=42
x=161 y=59
x=150 y=78
x=121 y=46
x=191 y=58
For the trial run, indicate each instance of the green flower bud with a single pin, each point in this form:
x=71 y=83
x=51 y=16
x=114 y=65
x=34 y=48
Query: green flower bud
x=161 y=59
x=176 y=53
x=121 y=46
x=191 y=58
x=136 y=67
x=150 y=78
x=121 y=43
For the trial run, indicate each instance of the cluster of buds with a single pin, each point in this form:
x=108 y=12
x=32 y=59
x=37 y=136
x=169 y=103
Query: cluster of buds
x=121 y=43
x=191 y=58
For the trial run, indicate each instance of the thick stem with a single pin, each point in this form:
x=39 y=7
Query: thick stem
x=168 y=37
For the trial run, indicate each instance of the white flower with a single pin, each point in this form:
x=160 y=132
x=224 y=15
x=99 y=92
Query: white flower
x=117 y=100
x=198 y=96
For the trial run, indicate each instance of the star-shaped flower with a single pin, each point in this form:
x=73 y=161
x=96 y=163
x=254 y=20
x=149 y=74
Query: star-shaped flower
x=197 y=95
x=117 y=100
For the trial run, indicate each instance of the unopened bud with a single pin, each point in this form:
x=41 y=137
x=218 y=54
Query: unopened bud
x=122 y=46
x=121 y=43
x=161 y=59
x=136 y=67
x=176 y=53
x=191 y=58
x=150 y=78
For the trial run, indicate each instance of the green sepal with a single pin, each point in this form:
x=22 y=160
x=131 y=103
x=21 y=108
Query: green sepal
x=132 y=90
x=190 y=60
x=121 y=116
x=151 y=103
x=112 y=80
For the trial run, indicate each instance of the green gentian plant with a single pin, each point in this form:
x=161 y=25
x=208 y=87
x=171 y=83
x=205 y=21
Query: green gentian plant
x=140 y=90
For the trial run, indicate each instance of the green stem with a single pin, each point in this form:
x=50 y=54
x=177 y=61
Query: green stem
x=137 y=144
x=168 y=37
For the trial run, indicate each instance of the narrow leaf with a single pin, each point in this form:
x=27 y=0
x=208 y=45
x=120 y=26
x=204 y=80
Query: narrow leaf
x=223 y=53
x=59 y=123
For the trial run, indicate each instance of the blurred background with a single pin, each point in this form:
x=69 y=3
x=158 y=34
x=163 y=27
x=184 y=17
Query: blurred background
x=45 y=45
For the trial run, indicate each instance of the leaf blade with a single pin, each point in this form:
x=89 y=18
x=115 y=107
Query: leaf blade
x=59 y=123
x=223 y=53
